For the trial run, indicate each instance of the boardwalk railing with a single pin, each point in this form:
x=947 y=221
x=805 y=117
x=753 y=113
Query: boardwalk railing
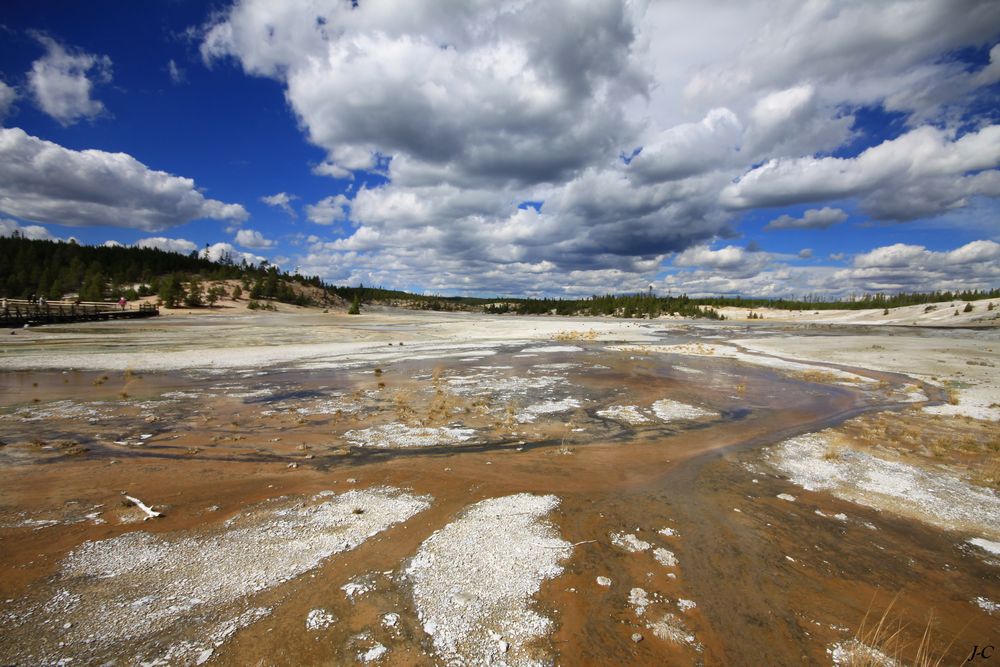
x=19 y=312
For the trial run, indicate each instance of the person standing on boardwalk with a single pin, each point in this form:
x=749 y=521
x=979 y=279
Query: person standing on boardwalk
x=122 y=302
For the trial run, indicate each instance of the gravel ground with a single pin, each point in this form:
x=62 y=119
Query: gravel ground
x=936 y=497
x=474 y=579
x=142 y=597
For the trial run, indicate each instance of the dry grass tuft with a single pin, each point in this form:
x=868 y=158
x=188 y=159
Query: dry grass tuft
x=819 y=377
x=885 y=643
x=970 y=446
x=575 y=335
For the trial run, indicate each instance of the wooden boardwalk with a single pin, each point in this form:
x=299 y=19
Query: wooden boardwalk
x=20 y=312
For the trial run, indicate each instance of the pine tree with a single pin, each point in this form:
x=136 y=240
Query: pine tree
x=171 y=291
x=93 y=287
x=194 y=294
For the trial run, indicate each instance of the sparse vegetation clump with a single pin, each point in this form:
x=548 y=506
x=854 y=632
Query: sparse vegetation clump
x=261 y=305
x=885 y=643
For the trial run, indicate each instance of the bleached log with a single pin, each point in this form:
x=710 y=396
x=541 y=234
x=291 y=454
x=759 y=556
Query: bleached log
x=150 y=512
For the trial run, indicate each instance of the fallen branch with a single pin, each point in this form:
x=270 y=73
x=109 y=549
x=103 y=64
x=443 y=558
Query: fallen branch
x=563 y=546
x=150 y=512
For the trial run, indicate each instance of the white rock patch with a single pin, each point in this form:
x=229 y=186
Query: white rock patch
x=670 y=628
x=357 y=587
x=686 y=605
x=987 y=605
x=665 y=557
x=473 y=580
x=639 y=599
x=628 y=414
x=318 y=619
x=853 y=652
x=551 y=348
x=986 y=545
x=530 y=413
x=629 y=542
x=373 y=654
x=401 y=436
x=668 y=410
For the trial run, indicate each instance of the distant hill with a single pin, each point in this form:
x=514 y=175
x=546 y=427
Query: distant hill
x=58 y=269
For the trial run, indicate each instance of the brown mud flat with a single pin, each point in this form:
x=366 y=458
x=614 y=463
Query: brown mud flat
x=773 y=583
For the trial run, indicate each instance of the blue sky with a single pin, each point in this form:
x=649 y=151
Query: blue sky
x=779 y=148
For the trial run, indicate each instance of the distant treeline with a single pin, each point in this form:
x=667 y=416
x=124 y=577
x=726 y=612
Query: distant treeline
x=616 y=305
x=56 y=268
x=862 y=302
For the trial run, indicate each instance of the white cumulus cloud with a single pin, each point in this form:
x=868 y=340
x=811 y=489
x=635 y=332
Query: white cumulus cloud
x=921 y=173
x=251 y=238
x=45 y=182
x=62 y=81
x=328 y=210
x=729 y=260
